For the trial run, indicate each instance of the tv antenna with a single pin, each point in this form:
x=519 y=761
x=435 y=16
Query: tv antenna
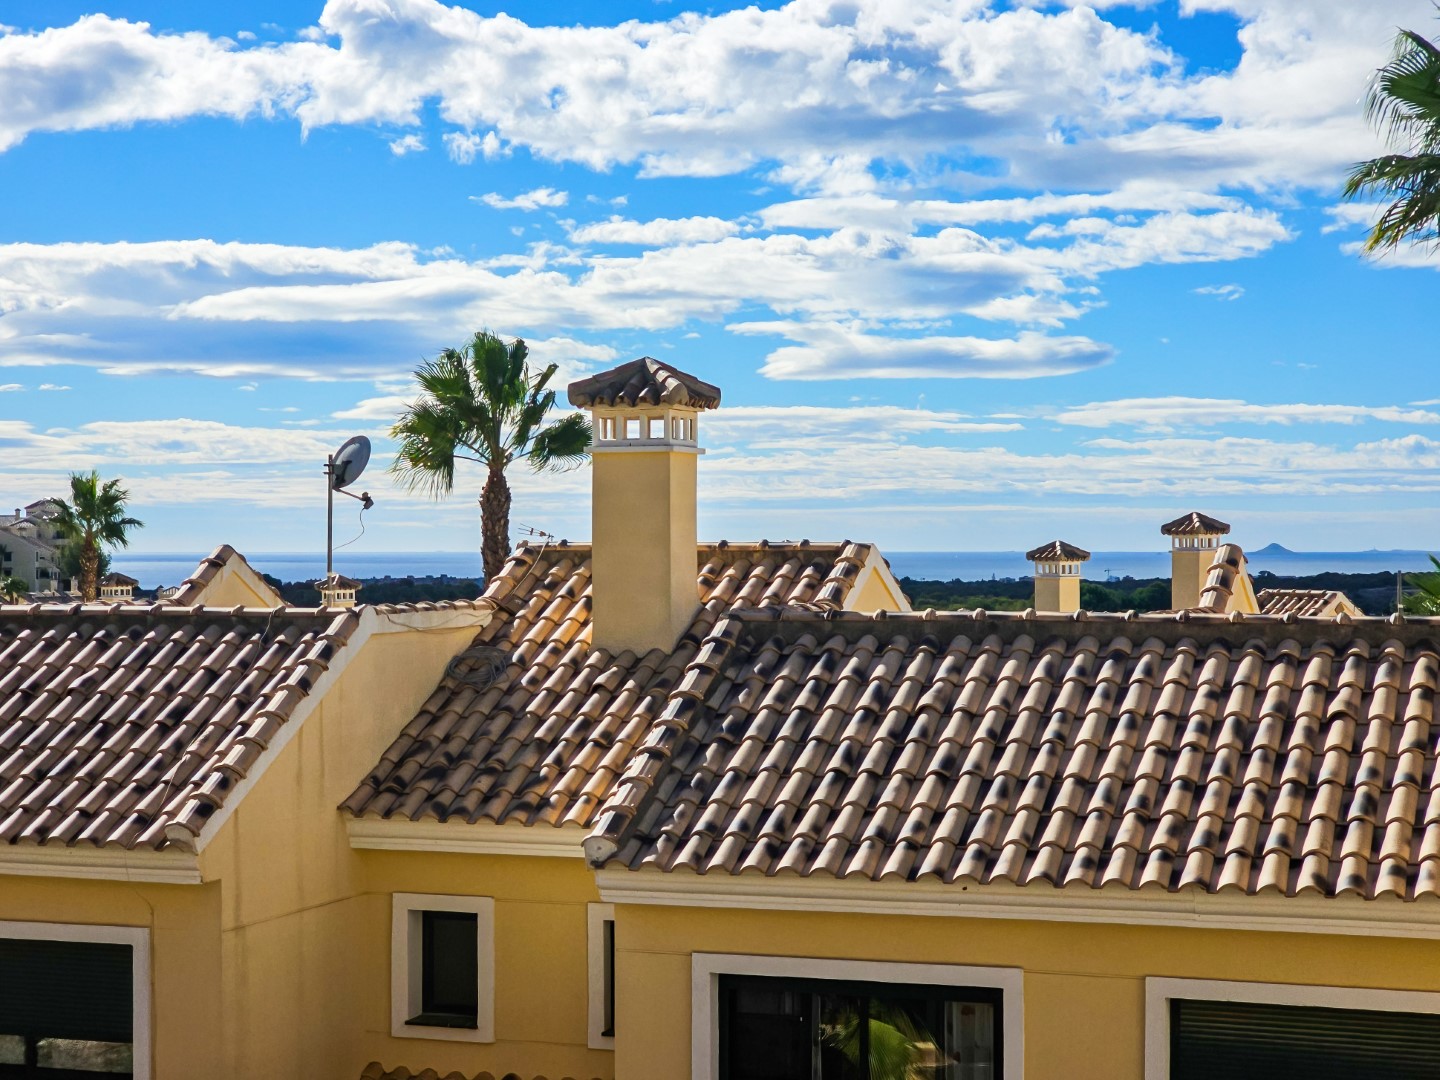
x=342 y=469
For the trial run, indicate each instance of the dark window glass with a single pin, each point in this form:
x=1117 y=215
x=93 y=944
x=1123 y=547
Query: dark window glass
x=66 y=1009
x=1246 y=1041
x=609 y=975
x=807 y=1029
x=449 y=980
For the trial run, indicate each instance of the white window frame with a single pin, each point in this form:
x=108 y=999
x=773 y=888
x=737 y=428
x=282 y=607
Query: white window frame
x=1160 y=991
x=138 y=938
x=406 y=972
x=706 y=969
x=597 y=915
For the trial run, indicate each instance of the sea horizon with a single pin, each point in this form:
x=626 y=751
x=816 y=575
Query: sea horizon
x=154 y=569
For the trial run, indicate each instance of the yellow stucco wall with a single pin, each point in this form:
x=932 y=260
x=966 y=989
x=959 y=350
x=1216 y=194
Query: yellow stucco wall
x=1056 y=593
x=1084 y=983
x=232 y=587
x=185 y=972
x=292 y=909
x=643 y=556
x=541 y=985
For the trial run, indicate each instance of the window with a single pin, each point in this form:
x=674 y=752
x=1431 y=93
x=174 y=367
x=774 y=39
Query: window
x=442 y=967
x=602 y=975
x=799 y=1029
x=74 y=1002
x=1197 y=1028
x=792 y=1018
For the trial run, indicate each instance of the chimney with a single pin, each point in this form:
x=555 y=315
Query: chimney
x=117 y=587
x=643 y=454
x=1194 y=538
x=337 y=590
x=1057 y=575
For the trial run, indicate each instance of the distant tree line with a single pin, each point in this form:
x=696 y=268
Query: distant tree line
x=1373 y=594
x=384 y=590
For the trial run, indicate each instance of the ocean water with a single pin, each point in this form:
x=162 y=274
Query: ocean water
x=171 y=568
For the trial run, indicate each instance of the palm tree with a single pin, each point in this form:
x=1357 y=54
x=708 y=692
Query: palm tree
x=95 y=515
x=13 y=589
x=1404 y=103
x=484 y=403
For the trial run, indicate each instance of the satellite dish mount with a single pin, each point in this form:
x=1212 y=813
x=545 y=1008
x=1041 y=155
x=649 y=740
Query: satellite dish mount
x=342 y=469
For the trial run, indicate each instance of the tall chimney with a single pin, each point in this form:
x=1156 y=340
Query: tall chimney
x=1057 y=575
x=644 y=452
x=1194 y=537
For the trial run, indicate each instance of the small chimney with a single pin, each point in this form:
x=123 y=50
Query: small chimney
x=117 y=587
x=1194 y=538
x=337 y=590
x=1057 y=576
x=643 y=452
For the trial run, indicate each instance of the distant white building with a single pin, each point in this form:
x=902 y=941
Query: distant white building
x=30 y=547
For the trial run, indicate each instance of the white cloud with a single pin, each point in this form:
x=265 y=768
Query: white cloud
x=407 y=144
x=464 y=146
x=1169 y=413
x=526 y=200
x=10 y=388
x=837 y=352
x=1221 y=292
x=659 y=232
x=52 y=386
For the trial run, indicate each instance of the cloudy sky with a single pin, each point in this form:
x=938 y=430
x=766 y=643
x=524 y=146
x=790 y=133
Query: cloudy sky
x=971 y=275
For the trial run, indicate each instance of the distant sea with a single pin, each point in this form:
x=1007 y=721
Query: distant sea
x=170 y=568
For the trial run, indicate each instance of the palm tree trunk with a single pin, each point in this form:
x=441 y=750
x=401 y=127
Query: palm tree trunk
x=495 y=523
x=89 y=570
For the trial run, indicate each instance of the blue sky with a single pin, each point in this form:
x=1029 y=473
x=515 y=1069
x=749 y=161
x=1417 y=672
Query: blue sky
x=971 y=275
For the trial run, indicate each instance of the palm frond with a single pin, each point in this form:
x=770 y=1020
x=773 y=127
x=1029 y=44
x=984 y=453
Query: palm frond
x=563 y=445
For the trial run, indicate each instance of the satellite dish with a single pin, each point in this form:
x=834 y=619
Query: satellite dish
x=349 y=462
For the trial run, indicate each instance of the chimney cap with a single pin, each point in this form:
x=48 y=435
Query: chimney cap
x=1195 y=524
x=645 y=381
x=1057 y=551
x=119 y=579
x=336 y=581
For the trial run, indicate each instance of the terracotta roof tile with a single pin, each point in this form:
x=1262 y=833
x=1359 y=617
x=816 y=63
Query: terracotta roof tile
x=1057 y=551
x=130 y=725
x=1194 y=523
x=1221 y=578
x=645 y=381
x=1305 y=602
x=1254 y=754
x=376 y=1071
x=533 y=725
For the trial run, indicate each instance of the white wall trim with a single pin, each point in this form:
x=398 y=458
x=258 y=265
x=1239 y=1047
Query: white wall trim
x=1160 y=991
x=706 y=969
x=168 y=867
x=138 y=938
x=405 y=965
x=481 y=838
x=597 y=915
x=371 y=622
x=1111 y=904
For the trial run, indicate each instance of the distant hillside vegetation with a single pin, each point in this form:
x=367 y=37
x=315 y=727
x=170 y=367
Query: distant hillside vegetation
x=406 y=590
x=1374 y=594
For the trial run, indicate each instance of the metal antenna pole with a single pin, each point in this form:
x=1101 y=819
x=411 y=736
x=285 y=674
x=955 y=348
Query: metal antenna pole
x=329 y=515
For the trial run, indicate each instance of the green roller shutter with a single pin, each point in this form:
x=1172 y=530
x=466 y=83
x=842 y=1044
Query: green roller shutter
x=1236 y=1040
x=66 y=990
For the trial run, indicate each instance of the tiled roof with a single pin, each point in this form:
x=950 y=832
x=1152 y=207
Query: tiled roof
x=1248 y=753
x=533 y=725
x=1224 y=574
x=1194 y=523
x=376 y=1071
x=129 y=725
x=1057 y=551
x=1304 y=601
x=119 y=579
x=192 y=590
x=646 y=381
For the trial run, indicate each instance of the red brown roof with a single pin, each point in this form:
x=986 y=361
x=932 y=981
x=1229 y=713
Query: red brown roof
x=645 y=381
x=532 y=724
x=1057 y=551
x=1195 y=523
x=1247 y=753
x=131 y=725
